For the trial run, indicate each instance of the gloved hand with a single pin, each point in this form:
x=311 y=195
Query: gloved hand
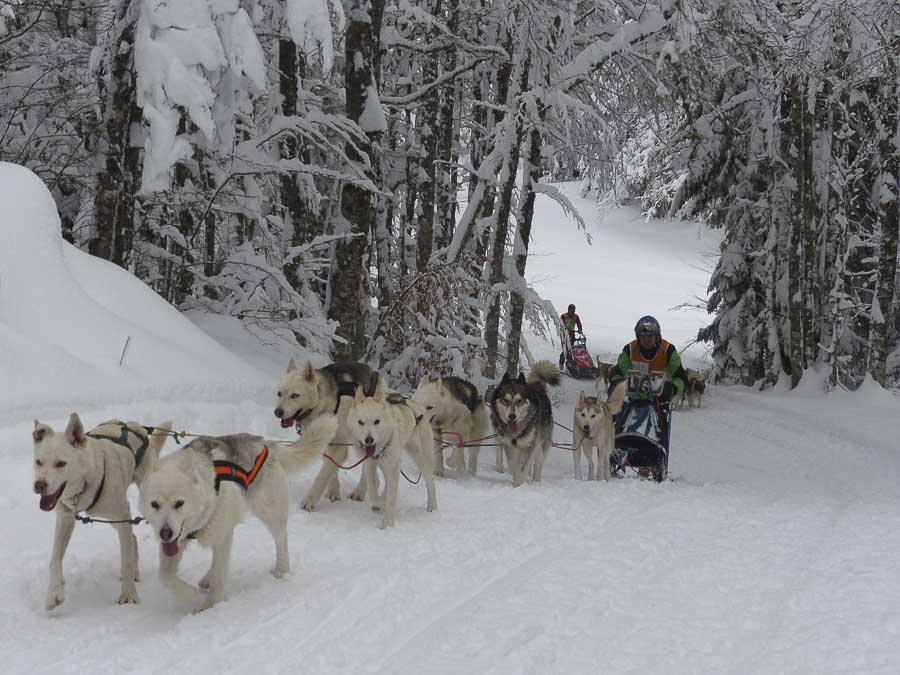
x=667 y=392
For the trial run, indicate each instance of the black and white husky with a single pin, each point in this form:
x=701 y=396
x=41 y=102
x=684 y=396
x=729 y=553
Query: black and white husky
x=523 y=419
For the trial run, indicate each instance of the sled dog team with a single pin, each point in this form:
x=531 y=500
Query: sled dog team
x=342 y=412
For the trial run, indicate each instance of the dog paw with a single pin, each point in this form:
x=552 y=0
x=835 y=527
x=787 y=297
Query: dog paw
x=129 y=598
x=376 y=507
x=439 y=472
x=357 y=496
x=334 y=497
x=55 y=597
x=307 y=505
x=280 y=572
x=204 y=584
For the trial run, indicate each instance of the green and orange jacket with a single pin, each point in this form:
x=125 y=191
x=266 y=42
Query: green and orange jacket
x=666 y=359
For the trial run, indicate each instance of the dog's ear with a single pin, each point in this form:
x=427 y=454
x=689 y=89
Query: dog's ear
x=360 y=395
x=379 y=390
x=75 y=431
x=309 y=373
x=41 y=431
x=504 y=379
x=521 y=379
x=291 y=366
x=440 y=383
x=186 y=460
x=580 y=398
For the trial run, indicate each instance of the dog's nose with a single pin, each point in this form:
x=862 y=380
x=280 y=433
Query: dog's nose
x=279 y=413
x=40 y=486
x=166 y=534
x=370 y=440
x=512 y=416
x=587 y=427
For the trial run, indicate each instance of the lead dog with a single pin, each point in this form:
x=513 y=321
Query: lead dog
x=594 y=428
x=523 y=419
x=458 y=415
x=202 y=491
x=90 y=472
x=383 y=426
x=305 y=394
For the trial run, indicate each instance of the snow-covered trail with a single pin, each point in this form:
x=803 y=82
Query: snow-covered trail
x=765 y=554
x=772 y=550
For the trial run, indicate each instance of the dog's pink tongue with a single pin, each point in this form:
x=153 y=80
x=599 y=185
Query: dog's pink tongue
x=48 y=502
x=170 y=548
x=513 y=427
x=285 y=423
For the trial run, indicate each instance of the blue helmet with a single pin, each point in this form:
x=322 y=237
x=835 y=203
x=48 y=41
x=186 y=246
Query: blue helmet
x=647 y=325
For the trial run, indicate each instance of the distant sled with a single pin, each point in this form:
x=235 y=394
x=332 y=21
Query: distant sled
x=578 y=361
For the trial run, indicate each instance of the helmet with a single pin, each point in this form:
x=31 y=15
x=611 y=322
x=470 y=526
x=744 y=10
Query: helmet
x=571 y=308
x=647 y=325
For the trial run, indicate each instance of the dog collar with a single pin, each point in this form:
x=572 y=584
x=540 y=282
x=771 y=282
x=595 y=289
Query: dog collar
x=232 y=472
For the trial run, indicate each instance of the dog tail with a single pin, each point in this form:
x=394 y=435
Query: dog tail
x=157 y=440
x=297 y=455
x=616 y=398
x=544 y=372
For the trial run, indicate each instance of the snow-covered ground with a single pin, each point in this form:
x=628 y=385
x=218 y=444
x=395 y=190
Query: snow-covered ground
x=772 y=551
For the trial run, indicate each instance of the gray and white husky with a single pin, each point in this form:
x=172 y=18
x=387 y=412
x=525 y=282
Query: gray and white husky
x=457 y=414
x=202 y=490
x=307 y=393
x=593 y=427
x=523 y=419
x=90 y=472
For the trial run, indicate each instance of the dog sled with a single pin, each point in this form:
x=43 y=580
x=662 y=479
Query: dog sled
x=576 y=359
x=643 y=429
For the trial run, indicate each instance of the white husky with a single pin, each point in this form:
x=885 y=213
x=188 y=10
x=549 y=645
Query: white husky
x=90 y=472
x=383 y=425
x=458 y=415
x=201 y=491
x=307 y=393
x=594 y=428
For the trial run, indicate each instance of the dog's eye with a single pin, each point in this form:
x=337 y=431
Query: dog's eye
x=429 y=407
x=278 y=394
x=295 y=395
x=155 y=505
x=376 y=422
x=361 y=422
x=39 y=462
x=593 y=416
x=60 y=464
x=179 y=504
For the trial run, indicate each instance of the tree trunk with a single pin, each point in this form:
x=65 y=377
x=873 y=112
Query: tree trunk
x=524 y=218
x=793 y=155
x=346 y=284
x=118 y=179
x=887 y=194
x=513 y=138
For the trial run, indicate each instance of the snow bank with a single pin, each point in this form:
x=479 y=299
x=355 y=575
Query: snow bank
x=65 y=318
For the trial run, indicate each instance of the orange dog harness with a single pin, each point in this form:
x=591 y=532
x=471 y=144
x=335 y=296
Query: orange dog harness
x=232 y=472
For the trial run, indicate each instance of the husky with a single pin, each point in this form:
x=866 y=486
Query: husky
x=693 y=389
x=604 y=370
x=454 y=409
x=383 y=425
x=523 y=419
x=90 y=472
x=305 y=394
x=202 y=490
x=594 y=428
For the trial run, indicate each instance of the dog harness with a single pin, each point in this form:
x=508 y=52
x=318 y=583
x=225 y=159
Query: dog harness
x=400 y=399
x=122 y=440
x=349 y=389
x=230 y=471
